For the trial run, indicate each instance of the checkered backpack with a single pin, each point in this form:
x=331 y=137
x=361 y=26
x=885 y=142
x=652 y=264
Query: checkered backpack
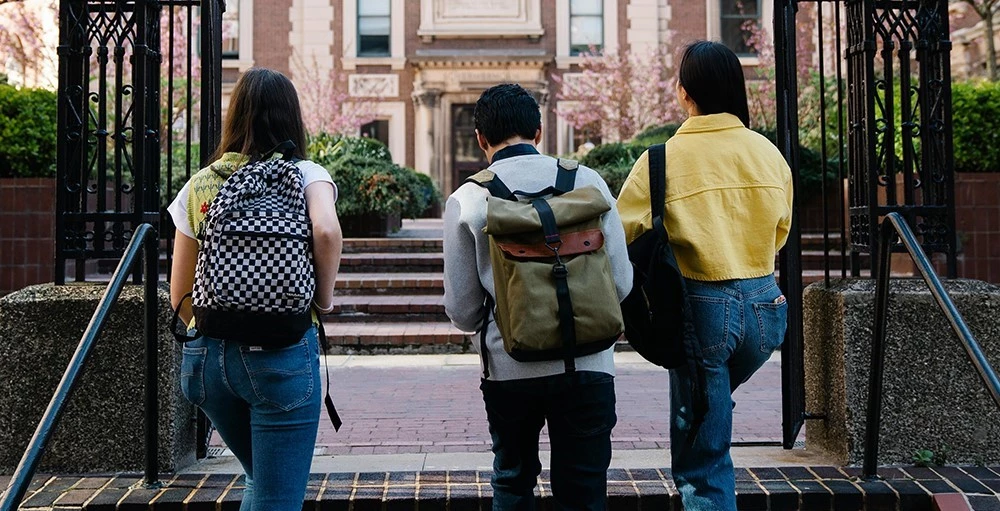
x=254 y=278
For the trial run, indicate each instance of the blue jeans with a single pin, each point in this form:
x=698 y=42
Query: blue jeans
x=580 y=411
x=739 y=324
x=265 y=403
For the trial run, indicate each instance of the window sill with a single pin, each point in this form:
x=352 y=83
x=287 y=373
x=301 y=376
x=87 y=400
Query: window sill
x=352 y=63
x=750 y=60
x=565 y=61
x=237 y=64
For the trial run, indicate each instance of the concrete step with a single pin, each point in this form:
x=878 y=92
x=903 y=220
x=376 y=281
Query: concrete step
x=389 y=308
x=390 y=283
x=421 y=337
x=392 y=262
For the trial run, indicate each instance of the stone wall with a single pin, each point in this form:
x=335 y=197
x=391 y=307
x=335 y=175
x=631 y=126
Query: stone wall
x=101 y=429
x=933 y=398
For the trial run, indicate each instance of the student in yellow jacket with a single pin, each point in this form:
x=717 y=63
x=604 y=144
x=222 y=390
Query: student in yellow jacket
x=728 y=211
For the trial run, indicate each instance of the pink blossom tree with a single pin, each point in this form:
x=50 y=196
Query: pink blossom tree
x=327 y=106
x=619 y=94
x=24 y=47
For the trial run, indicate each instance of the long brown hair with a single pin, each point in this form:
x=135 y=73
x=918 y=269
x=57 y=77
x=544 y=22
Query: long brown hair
x=263 y=112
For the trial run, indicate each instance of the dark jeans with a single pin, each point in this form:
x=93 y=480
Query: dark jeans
x=580 y=411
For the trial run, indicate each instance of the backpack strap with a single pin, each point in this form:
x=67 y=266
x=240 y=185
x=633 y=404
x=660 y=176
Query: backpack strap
x=493 y=184
x=487 y=310
x=658 y=187
x=692 y=351
x=566 y=175
x=331 y=410
x=567 y=326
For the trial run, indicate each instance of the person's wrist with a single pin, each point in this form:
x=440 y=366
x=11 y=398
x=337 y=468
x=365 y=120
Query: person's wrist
x=321 y=309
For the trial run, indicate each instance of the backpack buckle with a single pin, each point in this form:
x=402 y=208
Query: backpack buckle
x=559 y=270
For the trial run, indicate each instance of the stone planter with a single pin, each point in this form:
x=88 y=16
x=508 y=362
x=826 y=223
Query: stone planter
x=102 y=425
x=370 y=225
x=933 y=398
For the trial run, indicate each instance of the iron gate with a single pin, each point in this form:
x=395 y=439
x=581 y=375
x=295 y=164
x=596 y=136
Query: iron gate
x=139 y=105
x=878 y=74
x=140 y=95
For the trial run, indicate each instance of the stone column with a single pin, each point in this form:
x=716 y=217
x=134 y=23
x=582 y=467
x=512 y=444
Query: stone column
x=425 y=102
x=541 y=96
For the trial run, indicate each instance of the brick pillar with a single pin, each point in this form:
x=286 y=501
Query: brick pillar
x=27 y=232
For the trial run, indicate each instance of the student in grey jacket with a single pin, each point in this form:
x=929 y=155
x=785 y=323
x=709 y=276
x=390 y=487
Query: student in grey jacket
x=520 y=397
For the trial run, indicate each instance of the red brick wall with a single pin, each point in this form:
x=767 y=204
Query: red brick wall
x=271 y=26
x=977 y=220
x=27 y=232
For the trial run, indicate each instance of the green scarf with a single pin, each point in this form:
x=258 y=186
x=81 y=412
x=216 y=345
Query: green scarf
x=205 y=185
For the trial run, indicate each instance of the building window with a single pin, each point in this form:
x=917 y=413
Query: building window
x=231 y=31
x=586 y=26
x=373 y=28
x=738 y=19
x=377 y=129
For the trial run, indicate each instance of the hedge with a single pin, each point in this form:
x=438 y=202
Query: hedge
x=975 y=110
x=27 y=132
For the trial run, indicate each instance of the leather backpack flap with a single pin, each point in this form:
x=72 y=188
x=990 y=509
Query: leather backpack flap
x=573 y=243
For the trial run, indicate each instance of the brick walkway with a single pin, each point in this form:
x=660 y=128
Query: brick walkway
x=758 y=489
x=397 y=404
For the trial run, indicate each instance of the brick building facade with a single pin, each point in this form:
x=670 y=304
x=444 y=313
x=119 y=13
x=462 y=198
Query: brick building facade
x=427 y=61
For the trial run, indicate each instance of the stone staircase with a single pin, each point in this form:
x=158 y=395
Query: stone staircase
x=390 y=297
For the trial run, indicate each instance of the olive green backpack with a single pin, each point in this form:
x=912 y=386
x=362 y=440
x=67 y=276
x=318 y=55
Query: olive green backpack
x=555 y=292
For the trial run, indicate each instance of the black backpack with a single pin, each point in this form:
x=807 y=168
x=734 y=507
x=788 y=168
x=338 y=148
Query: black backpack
x=656 y=312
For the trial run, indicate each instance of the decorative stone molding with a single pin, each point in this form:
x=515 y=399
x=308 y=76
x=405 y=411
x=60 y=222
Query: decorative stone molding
x=480 y=19
x=373 y=85
x=429 y=98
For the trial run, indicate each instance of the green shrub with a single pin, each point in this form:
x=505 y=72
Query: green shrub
x=325 y=148
x=613 y=162
x=975 y=109
x=27 y=132
x=656 y=134
x=370 y=185
x=429 y=191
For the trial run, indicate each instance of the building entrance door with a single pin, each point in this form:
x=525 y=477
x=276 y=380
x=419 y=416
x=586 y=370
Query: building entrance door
x=466 y=156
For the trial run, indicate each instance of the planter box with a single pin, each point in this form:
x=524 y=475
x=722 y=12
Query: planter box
x=371 y=225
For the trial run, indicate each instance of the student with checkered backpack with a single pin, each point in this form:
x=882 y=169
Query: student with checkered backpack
x=257 y=249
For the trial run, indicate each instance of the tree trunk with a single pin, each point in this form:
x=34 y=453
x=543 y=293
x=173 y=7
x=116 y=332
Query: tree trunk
x=991 y=52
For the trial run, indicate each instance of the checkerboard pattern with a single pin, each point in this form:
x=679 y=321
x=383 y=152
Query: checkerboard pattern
x=255 y=254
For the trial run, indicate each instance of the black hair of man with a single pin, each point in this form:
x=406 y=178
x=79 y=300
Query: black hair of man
x=505 y=111
x=713 y=77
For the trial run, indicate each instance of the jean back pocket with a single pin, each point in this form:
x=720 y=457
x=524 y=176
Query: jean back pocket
x=281 y=377
x=772 y=320
x=193 y=374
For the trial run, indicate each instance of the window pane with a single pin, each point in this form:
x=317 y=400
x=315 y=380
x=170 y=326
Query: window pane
x=373 y=46
x=377 y=129
x=231 y=31
x=373 y=26
x=586 y=7
x=750 y=8
x=586 y=31
x=735 y=36
x=373 y=7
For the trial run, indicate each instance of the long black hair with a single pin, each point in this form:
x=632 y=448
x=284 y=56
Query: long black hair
x=713 y=77
x=263 y=112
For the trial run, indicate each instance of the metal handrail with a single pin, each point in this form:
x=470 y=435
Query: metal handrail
x=145 y=237
x=894 y=224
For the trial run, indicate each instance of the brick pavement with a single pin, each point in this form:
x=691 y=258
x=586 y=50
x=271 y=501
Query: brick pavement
x=758 y=489
x=398 y=404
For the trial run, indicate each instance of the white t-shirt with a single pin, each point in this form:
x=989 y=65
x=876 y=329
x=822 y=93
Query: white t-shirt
x=311 y=173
